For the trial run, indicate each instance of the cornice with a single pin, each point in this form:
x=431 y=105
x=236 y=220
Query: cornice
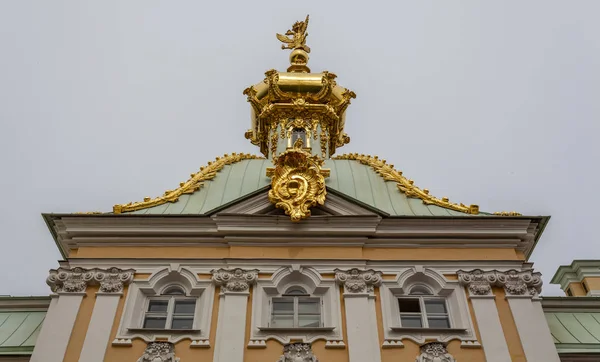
x=9 y=303
x=571 y=304
x=575 y=272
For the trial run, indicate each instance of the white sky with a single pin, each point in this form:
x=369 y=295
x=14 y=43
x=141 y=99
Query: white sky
x=104 y=102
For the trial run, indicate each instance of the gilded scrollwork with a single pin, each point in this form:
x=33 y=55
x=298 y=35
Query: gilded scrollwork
x=188 y=187
x=297 y=182
x=405 y=185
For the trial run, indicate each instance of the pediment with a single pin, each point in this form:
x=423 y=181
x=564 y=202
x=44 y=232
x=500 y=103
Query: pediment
x=259 y=204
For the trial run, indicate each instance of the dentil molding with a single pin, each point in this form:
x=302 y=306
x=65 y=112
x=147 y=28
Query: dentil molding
x=358 y=281
x=434 y=352
x=159 y=352
x=76 y=280
x=297 y=352
x=234 y=280
x=514 y=282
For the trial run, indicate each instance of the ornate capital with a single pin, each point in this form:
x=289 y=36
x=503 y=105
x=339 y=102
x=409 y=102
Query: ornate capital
x=358 y=281
x=76 y=280
x=478 y=281
x=297 y=352
x=514 y=282
x=521 y=282
x=159 y=352
x=434 y=352
x=234 y=280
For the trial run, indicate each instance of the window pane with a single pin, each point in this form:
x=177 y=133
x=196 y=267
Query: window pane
x=309 y=321
x=155 y=322
x=409 y=305
x=157 y=306
x=435 y=306
x=438 y=322
x=283 y=306
x=308 y=306
x=411 y=321
x=420 y=290
x=174 y=291
x=282 y=321
x=182 y=323
x=185 y=307
x=296 y=291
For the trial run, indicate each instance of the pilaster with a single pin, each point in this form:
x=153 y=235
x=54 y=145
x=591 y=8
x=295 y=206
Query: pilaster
x=231 y=326
x=361 y=324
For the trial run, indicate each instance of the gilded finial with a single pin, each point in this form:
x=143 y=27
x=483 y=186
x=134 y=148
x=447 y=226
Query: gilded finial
x=298 y=36
x=299 y=143
x=295 y=39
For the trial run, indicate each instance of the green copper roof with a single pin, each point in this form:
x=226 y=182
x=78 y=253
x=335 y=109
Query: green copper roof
x=348 y=177
x=575 y=332
x=19 y=331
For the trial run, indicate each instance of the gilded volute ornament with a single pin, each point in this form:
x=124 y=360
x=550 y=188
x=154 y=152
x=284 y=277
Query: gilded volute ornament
x=297 y=182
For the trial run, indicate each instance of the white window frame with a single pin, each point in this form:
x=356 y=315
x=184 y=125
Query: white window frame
x=275 y=286
x=171 y=300
x=423 y=314
x=461 y=324
x=140 y=292
x=296 y=312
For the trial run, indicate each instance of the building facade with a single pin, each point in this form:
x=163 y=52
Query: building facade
x=298 y=254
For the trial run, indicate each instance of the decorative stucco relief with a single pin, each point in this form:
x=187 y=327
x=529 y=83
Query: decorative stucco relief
x=159 y=352
x=358 y=281
x=434 y=352
x=297 y=352
x=514 y=282
x=76 y=280
x=234 y=280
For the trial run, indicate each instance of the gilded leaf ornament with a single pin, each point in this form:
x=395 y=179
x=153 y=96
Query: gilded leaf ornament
x=297 y=182
x=405 y=185
x=193 y=184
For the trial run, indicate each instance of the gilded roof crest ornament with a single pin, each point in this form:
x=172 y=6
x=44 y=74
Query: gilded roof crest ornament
x=298 y=36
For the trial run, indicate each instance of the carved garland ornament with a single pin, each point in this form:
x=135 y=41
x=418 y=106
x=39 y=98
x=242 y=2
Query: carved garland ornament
x=76 y=280
x=234 y=280
x=297 y=182
x=434 y=352
x=159 y=352
x=297 y=352
x=358 y=281
x=188 y=187
x=514 y=282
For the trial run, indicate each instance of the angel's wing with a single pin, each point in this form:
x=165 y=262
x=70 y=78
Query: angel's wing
x=284 y=38
x=305 y=25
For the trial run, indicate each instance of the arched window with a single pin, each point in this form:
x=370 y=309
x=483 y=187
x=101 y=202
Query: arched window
x=422 y=309
x=171 y=310
x=299 y=133
x=295 y=309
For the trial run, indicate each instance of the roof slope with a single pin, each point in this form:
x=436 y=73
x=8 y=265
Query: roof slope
x=19 y=331
x=575 y=331
x=349 y=177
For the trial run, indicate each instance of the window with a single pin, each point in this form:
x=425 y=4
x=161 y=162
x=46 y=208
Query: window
x=299 y=133
x=423 y=310
x=569 y=292
x=171 y=310
x=296 y=309
x=585 y=289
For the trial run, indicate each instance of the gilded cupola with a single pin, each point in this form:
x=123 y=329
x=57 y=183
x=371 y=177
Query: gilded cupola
x=297 y=105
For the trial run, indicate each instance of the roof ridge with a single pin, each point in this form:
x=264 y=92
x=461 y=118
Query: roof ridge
x=406 y=185
x=193 y=184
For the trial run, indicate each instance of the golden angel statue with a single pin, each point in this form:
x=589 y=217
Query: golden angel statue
x=298 y=36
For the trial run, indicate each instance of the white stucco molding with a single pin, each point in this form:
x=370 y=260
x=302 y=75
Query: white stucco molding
x=137 y=298
x=234 y=280
x=297 y=352
x=309 y=279
x=434 y=351
x=525 y=283
x=159 y=352
x=76 y=280
x=358 y=281
x=460 y=318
